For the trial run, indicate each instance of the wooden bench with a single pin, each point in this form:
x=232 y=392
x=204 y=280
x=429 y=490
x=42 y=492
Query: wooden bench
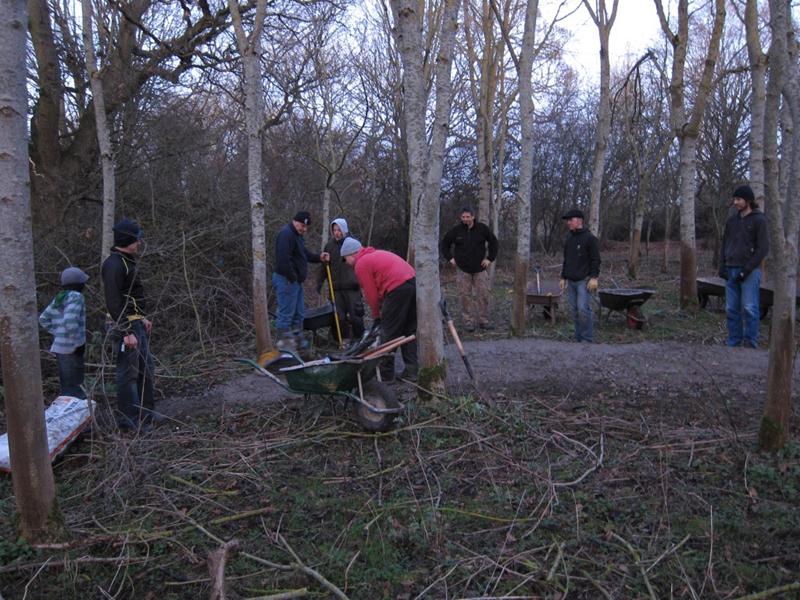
x=546 y=294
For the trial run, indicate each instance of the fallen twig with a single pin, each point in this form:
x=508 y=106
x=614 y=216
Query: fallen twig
x=216 y=567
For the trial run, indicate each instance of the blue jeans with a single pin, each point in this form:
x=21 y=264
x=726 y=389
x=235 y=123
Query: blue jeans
x=135 y=379
x=70 y=373
x=742 y=307
x=291 y=310
x=578 y=298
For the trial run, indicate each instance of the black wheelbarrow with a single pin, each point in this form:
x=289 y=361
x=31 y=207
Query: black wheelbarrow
x=628 y=300
x=315 y=318
x=349 y=377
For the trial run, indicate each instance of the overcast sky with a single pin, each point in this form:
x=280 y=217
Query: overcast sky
x=635 y=28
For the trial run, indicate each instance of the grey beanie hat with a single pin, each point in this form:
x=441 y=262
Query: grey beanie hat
x=350 y=246
x=73 y=275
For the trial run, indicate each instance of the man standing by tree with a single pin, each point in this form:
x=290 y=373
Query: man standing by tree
x=345 y=285
x=579 y=272
x=390 y=288
x=745 y=243
x=471 y=247
x=291 y=270
x=129 y=328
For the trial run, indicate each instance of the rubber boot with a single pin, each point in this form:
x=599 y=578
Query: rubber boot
x=286 y=340
x=300 y=341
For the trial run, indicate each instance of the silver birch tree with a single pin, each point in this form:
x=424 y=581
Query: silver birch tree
x=686 y=125
x=783 y=215
x=425 y=165
x=604 y=22
x=250 y=51
x=526 y=108
x=758 y=70
x=103 y=135
x=31 y=472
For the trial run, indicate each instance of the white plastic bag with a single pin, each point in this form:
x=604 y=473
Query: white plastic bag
x=65 y=418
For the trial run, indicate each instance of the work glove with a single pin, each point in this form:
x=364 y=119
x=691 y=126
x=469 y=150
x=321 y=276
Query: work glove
x=592 y=285
x=562 y=284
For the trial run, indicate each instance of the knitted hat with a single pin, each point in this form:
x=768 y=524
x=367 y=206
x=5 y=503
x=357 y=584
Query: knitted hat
x=350 y=246
x=303 y=216
x=571 y=214
x=126 y=232
x=73 y=275
x=745 y=192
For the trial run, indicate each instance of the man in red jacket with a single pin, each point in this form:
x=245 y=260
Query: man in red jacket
x=390 y=288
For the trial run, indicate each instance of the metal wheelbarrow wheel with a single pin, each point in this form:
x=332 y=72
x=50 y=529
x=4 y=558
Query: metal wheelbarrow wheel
x=380 y=396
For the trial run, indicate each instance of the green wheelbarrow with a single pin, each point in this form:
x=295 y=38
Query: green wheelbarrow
x=353 y=378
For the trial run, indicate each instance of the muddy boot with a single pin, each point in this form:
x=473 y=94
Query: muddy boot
x=300 y=341
x=286 y=340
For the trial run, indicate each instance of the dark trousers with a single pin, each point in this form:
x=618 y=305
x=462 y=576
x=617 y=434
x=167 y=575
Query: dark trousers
x=135 y=379
x=399 y=318
x=70 y=373
x=350 y=308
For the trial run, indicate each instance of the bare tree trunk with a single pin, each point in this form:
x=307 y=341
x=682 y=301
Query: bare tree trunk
x=250 y=50
x=758 y=69
x=103 y=135
x=426 y=182
x=784 y=221
x=31 y=472
x=667 y=235
x=604 y=23
x=522 y=258
x=497 y=195
x=687 y=130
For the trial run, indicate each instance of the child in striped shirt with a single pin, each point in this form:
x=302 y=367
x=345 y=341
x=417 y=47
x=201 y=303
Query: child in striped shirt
x=65 y=319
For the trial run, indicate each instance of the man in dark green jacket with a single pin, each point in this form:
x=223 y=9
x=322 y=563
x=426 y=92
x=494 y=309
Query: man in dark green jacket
x=471 y=247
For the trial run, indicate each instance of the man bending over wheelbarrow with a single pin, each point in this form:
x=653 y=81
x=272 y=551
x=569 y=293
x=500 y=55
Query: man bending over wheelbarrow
x=390 y=288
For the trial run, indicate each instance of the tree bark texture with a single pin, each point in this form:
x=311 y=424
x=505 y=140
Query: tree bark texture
x=103 y=134
x=687 y=130
x=783 y=214
x=425 y=170
x=604 y=22
x=758 y=70
x=250 y=51
x=522 y=258
x=32 y=474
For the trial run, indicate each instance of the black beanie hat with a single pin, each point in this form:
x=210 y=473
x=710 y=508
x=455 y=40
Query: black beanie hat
x=126 y=232
x=745 y=192
x=303 y=216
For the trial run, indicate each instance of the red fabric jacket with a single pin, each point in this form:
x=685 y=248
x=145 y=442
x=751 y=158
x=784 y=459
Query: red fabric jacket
x=378 y=273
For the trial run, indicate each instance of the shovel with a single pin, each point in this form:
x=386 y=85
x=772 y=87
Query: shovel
x=449 y=320
x=333 y=301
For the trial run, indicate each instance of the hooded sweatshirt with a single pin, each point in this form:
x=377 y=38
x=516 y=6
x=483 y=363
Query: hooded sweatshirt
x=379 y=272
x=341 y=273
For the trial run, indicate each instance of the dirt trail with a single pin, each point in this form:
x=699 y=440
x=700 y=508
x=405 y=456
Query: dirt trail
x=546 y=367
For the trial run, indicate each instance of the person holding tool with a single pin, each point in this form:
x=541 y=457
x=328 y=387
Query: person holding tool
x=339 y=279
x=390 y=289
x=130 y=329
x=579 y=272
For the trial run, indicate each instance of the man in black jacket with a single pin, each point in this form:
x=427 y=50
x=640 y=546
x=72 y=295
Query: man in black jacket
x=471 y=247
x=346 y=290
x=579 y=272
x=291 y=270
x=745 y=244
x=129 y=329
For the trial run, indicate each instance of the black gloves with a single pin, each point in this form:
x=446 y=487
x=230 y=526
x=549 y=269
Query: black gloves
x=291 y=277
